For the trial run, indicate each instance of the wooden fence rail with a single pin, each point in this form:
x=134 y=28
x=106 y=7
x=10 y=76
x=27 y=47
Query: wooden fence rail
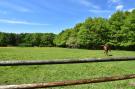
x=69 y=82
x=65 y=61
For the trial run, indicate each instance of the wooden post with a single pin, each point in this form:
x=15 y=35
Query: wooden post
x=67 y=83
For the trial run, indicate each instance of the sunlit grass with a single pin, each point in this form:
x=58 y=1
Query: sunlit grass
x=46 y=73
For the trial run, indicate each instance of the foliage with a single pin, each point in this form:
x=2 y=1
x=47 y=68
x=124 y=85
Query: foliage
x=47 y=40
x=118 y=31
x=3 y=39
x=62 y=38
x=26 y=39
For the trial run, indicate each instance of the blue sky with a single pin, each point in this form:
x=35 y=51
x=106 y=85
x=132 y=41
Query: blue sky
x=54 y=15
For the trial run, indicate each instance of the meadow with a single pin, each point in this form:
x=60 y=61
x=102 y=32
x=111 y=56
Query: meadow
x=49 y=73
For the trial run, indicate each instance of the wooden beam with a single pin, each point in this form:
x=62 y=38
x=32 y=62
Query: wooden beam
x=67 y=83
x=64 y=61
x=132 y=84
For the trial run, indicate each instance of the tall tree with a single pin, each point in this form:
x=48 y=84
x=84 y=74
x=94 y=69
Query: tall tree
x=62 y=38
x=3 y=39
x=47 y=39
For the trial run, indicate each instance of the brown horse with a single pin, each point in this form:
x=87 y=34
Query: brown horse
x=106 y=49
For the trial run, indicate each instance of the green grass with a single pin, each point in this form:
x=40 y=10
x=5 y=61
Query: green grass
x=48 y=73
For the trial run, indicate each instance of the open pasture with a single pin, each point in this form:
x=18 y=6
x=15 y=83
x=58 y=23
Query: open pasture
x=48 y=73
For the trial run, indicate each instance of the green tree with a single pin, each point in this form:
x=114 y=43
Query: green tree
x=62 y=38
x=116 y=22
x=47 y=39
x=35 y=39
x=3 y=39
x=12 y=39
x=128 y=31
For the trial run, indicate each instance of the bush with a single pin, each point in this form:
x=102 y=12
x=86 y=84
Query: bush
x=25 y=45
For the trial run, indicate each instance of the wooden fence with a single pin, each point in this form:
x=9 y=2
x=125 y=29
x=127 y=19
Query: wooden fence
x=68 y=82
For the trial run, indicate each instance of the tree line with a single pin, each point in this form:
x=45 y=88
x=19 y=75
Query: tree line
x=117 y=31
x=27 y=39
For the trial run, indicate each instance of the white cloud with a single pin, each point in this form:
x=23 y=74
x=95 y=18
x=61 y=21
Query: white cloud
x=100 y=11
x=89 y=4
x=86 y=3
x=114 y=1
x=21 y=22
x=130 y=10
x=109 y=16
x=119 y=7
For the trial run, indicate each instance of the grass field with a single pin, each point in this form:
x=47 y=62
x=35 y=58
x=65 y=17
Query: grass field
x=48 y=73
